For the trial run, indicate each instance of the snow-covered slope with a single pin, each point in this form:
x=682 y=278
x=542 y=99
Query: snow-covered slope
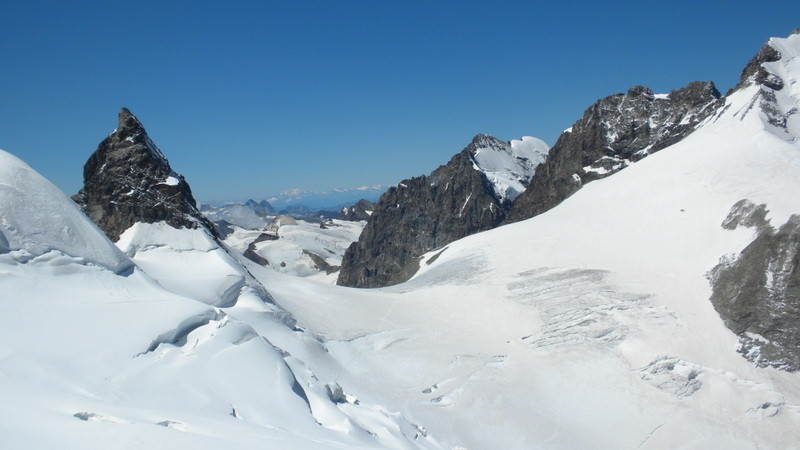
x=509 y=167
x=589 y=326
x=290 y=252
x=37 y=217
x=90 y=358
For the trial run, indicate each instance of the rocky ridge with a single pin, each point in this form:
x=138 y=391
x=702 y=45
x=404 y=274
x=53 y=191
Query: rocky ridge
x=427 y=212
x=612 y=134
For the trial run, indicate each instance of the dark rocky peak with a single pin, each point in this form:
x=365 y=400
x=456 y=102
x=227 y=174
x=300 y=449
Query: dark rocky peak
x=612 y=134
x=421 y=214
x=485 y=141
x=361 y=210
x=754 y=71
x=128 y=180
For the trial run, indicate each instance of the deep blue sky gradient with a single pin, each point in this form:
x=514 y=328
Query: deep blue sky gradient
x=250 y=98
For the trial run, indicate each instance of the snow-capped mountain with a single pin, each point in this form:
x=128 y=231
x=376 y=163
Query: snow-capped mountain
x=613 y=133
x=509 y=166
x=471 y=193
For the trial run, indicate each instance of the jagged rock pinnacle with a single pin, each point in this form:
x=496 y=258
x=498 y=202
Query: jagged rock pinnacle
x=128 y=180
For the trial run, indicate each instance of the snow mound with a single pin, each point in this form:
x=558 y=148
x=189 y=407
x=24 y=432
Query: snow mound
x=510 y=168
x=35 y=216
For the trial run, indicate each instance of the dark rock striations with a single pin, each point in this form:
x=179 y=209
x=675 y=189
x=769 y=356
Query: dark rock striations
x=613 y=133
x=427 y=212
x=360 y=211
x=128 y=180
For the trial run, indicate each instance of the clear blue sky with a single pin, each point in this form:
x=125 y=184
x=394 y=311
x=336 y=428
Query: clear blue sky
x=250 y=98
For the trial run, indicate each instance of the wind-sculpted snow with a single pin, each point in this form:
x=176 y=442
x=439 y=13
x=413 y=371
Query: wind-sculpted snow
x=93 y=359
x=187 y=261
x=38 y=218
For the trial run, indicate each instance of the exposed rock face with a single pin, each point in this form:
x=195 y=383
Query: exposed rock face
x=427 y=212
x=757 y=293
x=128 y=180
x=613 y=133
x=360 y=211
x=754 y=71
x=224 y=228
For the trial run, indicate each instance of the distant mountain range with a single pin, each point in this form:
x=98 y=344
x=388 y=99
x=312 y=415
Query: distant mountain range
x=330 y=199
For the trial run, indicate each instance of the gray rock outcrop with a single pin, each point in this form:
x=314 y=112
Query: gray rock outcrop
x=757 y=293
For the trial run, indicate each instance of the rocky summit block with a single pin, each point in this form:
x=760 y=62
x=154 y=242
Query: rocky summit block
x=128 y=180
